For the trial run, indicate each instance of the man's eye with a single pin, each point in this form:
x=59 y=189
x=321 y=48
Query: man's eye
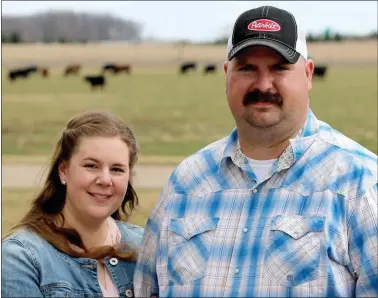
x=247 y=68
x=118 y=170
x=279 y=67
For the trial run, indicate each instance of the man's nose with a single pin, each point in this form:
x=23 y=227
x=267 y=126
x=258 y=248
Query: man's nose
x=264 y=81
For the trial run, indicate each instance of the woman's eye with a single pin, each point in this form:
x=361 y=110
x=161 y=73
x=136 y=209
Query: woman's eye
x=90 y=165
x=118 y=170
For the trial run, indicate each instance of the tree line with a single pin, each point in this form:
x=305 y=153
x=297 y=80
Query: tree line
x=326 y=36
x=66 y=27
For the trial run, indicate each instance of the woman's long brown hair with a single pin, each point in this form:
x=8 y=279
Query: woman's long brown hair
x=45 y=216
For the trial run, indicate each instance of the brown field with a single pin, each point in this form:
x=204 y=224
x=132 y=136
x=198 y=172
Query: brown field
x=163 y=55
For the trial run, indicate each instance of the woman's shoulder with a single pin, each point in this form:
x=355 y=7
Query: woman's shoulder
x=24 y=241
x=24 y=237
x=130 y=232
x=129 y=227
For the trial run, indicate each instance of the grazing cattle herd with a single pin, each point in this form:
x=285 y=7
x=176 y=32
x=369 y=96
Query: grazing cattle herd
x=98 y=80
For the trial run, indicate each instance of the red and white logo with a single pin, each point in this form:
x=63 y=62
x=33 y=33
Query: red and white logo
x=264 y=25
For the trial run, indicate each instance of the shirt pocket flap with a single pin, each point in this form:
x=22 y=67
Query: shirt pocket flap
x=296 y=225
x=188 y=227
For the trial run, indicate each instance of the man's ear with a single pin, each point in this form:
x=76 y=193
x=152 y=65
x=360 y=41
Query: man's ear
x=225 y=66
x=309 y=69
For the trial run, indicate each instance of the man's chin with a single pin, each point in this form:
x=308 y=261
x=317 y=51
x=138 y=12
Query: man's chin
x=263 y=122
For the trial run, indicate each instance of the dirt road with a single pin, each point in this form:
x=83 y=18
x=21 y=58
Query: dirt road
x=31 y=175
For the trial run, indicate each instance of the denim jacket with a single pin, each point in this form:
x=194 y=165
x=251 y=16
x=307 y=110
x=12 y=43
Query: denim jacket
x=32 y=267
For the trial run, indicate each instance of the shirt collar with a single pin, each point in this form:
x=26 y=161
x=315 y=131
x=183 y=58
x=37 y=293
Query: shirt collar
x=297 y=147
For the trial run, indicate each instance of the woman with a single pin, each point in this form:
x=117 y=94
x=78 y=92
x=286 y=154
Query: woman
x=73 y=241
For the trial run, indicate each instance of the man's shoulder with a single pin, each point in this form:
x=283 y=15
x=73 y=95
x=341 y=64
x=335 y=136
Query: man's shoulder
x=199 y=171
x=348 y=151
x=212 y=153
x=336 y=138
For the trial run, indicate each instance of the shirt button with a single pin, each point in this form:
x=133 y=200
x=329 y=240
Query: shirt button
x=289 y=277
x=254 y=191
x=113 y=261
x=236 y=271
x=129 y=293
x=245 y=230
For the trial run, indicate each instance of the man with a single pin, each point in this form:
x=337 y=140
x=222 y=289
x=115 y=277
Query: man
x=284 y=206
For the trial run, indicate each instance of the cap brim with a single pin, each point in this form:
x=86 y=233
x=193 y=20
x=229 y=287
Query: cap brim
x=288 y=53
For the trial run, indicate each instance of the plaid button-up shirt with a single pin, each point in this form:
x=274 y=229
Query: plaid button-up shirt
x=308 y=230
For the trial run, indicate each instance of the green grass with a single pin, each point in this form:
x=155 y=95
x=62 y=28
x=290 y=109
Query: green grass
x=16 y=202
x=171 y=115
x=347 y=100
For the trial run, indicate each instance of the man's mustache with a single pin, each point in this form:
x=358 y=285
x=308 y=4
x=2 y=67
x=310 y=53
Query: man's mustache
x=258 y=96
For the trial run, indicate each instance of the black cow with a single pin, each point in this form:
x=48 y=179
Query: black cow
x=109 y=67
x=31 y=69
x=96 y=81
x=17 y=73
x=320 y=71
x=185 y=67
x=210 y=68
x=21 y=72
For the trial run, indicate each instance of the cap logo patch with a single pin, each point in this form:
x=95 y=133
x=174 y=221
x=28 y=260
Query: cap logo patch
x=264 y=25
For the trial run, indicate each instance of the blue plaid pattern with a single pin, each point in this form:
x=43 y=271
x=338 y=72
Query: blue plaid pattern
x=309 y=230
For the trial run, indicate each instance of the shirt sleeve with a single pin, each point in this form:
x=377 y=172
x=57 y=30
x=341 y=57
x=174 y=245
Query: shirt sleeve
x=363 y=242
x=20 y=276
x=145 y=278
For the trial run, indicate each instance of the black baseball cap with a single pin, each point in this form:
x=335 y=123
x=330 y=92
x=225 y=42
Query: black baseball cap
x=268 y=26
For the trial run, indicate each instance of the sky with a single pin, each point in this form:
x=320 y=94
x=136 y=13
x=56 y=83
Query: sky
x=206 y=20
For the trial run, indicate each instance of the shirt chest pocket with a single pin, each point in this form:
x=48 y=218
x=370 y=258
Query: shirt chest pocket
x=189 y=245
x=63 y=289
x=294 y=248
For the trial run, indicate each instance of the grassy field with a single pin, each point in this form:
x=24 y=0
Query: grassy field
x=15 y=203
x=172 y=115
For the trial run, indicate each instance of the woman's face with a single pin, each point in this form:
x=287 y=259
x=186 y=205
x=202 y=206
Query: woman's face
x=96 y=177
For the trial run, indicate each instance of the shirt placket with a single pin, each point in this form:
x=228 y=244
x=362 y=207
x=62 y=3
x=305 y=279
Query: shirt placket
x=241 y=249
